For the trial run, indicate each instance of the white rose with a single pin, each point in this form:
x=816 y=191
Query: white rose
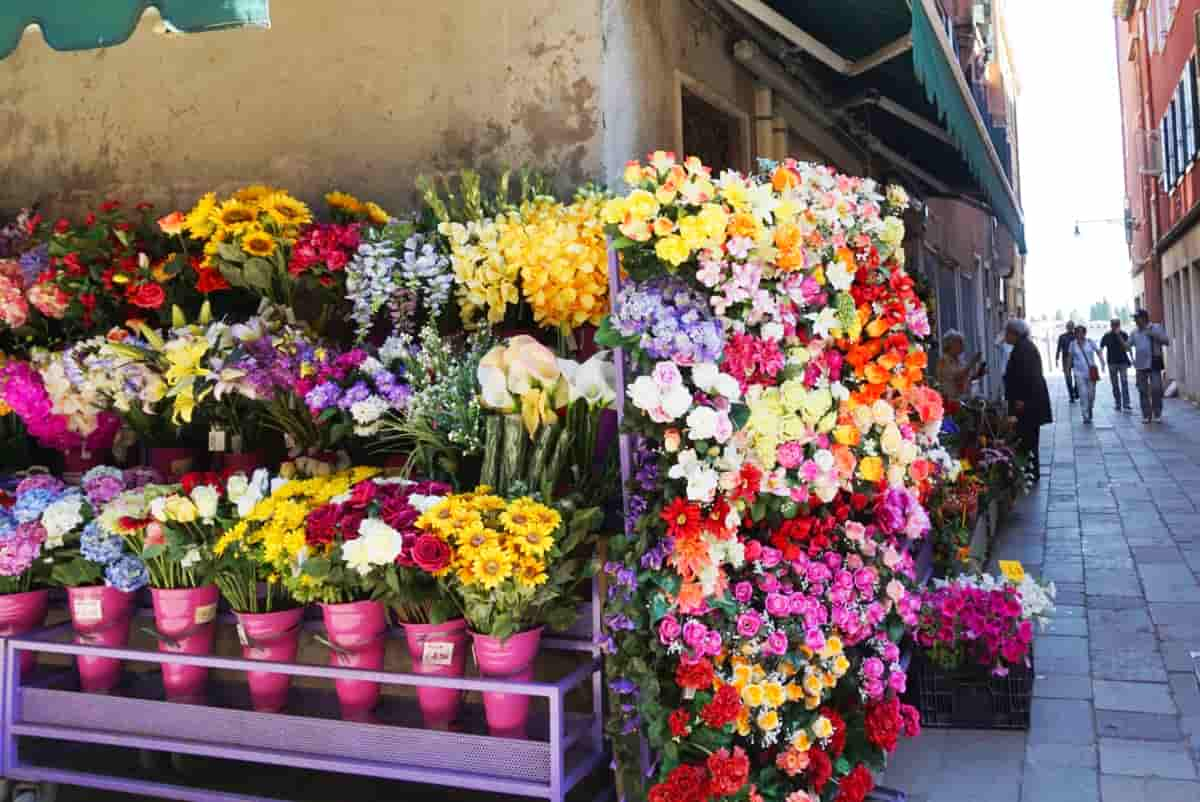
x=237 y=486
x=158 y=508
x=382 y=543
x=644 y=393
x=676 y=401
x=882 y=413
x=702 y=423
x=710 y=380
x=205 y=498
x=890 y=440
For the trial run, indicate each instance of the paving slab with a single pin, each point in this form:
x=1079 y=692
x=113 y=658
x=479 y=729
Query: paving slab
x=1146 y=759
x=1147 y=789
x=1136 y=697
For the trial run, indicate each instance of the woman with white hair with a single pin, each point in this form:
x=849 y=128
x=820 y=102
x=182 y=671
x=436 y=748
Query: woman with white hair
x=1026 y=391
x=953 y=378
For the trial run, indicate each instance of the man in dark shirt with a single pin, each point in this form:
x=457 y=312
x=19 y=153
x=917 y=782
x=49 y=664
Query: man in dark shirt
x=1064 y=353
x=1116 y=351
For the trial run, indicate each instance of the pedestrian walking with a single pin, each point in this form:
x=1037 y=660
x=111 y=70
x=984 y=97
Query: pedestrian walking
x=1025 y=389
x=1148 y=340
x=1063 y=354
x=1085 y=365
x=954 y=378
x=1115 y=344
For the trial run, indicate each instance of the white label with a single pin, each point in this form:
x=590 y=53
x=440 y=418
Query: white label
x=88 y=610
x=216 y=439
x=242 y=634
x=289 y=442
x=437 y=653
x=689 y=693
x=206 y=613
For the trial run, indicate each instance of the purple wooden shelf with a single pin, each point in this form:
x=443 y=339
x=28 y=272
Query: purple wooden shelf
x=561 y=748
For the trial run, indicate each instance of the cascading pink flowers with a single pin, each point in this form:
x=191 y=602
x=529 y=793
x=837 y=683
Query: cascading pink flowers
x=23 y=390
x=960 y=622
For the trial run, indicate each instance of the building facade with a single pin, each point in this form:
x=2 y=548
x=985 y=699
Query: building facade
x=1160 y=111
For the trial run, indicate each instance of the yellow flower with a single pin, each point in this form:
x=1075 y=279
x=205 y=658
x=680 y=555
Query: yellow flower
x=833 y=646
x=741 y=675
x=768 y=721
x=198 y=221
x=641 y=205
x=475 y=537
x=344 y=202
x=180 y=509
x=531 y=573
x=870 y=468
x=285 y=210
x=672 y=250
x=491 y=567
x=376 y=214
x=822 y=728
x=841 y=665
x=794 y=692
x=775 y=695
x=253 y=194
x=743 y=722
x=258 y=243
x=813 y=685
x=234 y=215
x=753 y=695
x=801 y=741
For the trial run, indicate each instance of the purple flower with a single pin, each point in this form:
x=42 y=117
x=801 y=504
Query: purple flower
x=321 y=397
x=623 y=686
x=670 y=320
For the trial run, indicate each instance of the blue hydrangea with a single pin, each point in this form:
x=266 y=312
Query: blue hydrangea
x=32 y=503
x=99 y=471
x=127 y=574
x=100 y=546
x=8 y=524
x=670 y=320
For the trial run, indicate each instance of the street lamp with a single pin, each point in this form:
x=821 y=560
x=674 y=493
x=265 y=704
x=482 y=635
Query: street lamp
x=1128 y=221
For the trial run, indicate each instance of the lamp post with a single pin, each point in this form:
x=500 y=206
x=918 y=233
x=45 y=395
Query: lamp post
x=1128 y=221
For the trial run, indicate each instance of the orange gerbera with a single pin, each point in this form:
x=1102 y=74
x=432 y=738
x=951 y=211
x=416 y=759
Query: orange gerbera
x=690 y=556
x=743 y=224
x=783 y=179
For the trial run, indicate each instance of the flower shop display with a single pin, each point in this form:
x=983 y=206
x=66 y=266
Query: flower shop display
x=508 y=565
x=25 y=566
x=974 y=667
x=785 y=435
x=97 y=569
x=400 y=271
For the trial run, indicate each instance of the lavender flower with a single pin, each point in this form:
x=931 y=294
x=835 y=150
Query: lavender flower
x=33 y=262
x=670 y=320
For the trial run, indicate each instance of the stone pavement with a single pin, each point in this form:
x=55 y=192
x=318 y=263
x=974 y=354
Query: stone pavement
x=1115 y=524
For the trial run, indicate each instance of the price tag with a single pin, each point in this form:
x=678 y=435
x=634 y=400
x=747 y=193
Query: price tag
x=689 y=693
x=206 y=613
x=437 y=653
x=216 y=439
x=88 y=610
x=241 y=631
x=1012 y=570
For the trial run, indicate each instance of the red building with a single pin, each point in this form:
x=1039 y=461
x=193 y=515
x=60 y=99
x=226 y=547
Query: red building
x=1160 y=108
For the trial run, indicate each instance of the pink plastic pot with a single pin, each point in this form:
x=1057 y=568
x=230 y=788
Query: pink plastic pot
x=438 y=650
x=245 y=461
x=357 y=631
x=274 y=637
x=21 y=613
x=101 y=616
x=172 y=463
x=512 y=659
x=184 y=618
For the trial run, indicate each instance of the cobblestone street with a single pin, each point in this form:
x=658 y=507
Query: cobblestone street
x=1116 y=714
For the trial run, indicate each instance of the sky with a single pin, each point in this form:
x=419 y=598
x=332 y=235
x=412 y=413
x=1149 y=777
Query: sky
x=1069 y=119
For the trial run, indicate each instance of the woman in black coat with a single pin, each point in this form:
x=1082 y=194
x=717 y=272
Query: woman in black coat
x=1025 y=389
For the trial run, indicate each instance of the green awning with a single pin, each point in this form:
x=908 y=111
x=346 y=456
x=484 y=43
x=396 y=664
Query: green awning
x=88 y=24
x=910 y=101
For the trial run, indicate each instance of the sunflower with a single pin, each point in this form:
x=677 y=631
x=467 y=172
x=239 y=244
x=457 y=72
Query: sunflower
x=258 y=243
x=491 y=567
x=531 y=573
x=344 y=202
x=476 y=537
x=233 y=215
x=376 y=214
x=533 y=542
x=286 y=211
x=254 y=193
x=198 y=221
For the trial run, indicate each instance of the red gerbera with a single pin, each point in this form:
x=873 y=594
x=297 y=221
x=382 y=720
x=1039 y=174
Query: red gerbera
x=855 y=786
x=683 y=519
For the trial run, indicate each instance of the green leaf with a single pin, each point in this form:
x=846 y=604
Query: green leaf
x=258 y=273
x=622 y=242
x=659 y=608
x=230 y=252
x=156 y=550
x=232 y=273
x=739 y=414
x=841 y=766
x=317 y=567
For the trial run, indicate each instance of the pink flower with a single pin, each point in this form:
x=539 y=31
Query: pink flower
x=669 y=630
x=777 y=605
x=748 y=623
x=777 y=643
x=743 y=592
x=790 y=454
x=693 y=634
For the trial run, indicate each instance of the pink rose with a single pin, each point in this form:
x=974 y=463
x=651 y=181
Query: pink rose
x=778 y=605
x=154 y=534
x=748 y=624
x=669 y=630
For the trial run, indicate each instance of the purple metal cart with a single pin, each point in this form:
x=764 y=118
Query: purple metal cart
x=562 y=747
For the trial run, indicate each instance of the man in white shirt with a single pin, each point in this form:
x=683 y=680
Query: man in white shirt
x=1147 y=341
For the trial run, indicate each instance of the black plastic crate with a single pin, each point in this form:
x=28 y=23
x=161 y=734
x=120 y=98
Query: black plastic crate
x=969 y=697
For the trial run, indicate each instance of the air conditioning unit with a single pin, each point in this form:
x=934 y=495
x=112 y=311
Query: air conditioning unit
x=1149 y=144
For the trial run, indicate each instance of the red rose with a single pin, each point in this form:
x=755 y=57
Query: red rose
x=62 y=226
x=724 y=708
x=209 y=279
x=838 y=741
x=320 y=525
x=397 y=513
x=147 y=296
x=729 y=773
x=910 y=721
x=684 y=784
x=820 y=768
x=110 y=206
x=362 y=494
x=883 y=724
x=194 y=479
x=855 y=786
x=694 y=674
x=679 y=723
x=431 y=554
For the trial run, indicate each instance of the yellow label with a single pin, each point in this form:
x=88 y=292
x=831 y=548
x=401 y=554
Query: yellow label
x=206 y=613
x=1012 y=570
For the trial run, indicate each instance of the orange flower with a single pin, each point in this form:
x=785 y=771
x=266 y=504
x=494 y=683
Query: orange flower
x=172 y=224
x=920 y=470
x=690 y=556
x=878 y=327
x=889 y=360
x=917 y=359
x=844 y=458
x=743 y=224
x=871 y=468
x=783 y=179
x=847 y=435
x=691 y=597
x=876 y=374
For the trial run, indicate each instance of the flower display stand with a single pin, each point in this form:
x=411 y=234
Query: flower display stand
x=561 y=749
x=970 y=697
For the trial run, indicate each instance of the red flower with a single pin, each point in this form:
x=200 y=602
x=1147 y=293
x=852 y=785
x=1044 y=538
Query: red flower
x=110 y=206
x=837 y=743
x=683 y=519
x=209 y=279
x=194 y=479
x=431 y=554
x=147 y=296
x=883 y=724
x=362 y=494
x=685 y=783
x=729 y=773
x=679 y=722
x=910 y=721
x=144 y=206
x=351 y=519
x=33 y=223
x=695 y=674
x=90 y=220
x=855 y=786
x=724 y=708
x=321 y=525
x=397 y=513
x=62 y=226
x=820 y=768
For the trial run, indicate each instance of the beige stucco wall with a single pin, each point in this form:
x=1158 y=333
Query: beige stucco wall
x=358 y=94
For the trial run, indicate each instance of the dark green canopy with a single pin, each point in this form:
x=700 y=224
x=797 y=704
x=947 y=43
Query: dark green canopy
x=87 y=24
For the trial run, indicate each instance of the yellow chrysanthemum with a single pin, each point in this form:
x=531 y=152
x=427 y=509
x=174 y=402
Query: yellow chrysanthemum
x=753 y=695
x=801 y=741
x=491 y=567
x=376 y=214
x=198 y=221
x=774 y=694
x=233 y=215
x=768 y=721
x=344 y=202
x=531 y=573
x=258 y=243
x=286 y=211
x=254 y=194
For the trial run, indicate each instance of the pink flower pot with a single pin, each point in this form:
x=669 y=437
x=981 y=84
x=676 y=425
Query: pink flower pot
x=20 y=613
x=184 y=617
x=274 y=637
x=511 y=659
x=243 y=461
x=438 y=650
x=75 y=464
x=357 y=631
x=101 y=616
x=172 y=463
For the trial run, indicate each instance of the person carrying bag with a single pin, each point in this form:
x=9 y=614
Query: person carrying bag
x=1084 y=358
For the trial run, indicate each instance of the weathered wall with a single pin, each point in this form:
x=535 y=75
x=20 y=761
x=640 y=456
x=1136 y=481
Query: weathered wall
x=358 y=94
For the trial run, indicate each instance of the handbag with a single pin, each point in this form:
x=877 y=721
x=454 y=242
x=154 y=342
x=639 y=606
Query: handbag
x=1093 y=371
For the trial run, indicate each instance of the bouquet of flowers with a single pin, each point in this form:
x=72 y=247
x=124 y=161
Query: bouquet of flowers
x=24 y=565
x=983 y=620
x=139 y=517
x=85 y=553
x=400 y=270
x=351 y=393
x=506 y=561
x=65 y=420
